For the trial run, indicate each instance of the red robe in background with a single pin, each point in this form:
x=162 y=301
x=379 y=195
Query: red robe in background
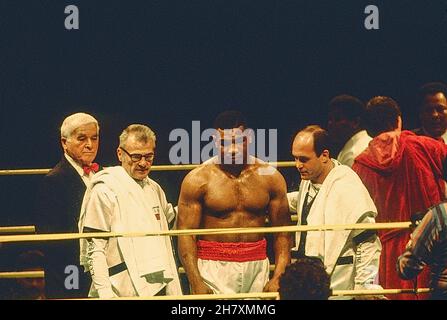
x=403 y=173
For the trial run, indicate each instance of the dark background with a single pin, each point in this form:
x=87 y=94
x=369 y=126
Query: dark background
x=165 y=63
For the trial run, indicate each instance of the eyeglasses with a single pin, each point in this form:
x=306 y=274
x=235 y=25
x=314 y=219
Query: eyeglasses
x=136 y=157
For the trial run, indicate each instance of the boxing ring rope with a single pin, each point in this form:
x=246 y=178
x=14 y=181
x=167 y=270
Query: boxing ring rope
x=268 y=295
x=234 y=296
x=72 y=236
x=22 y=274
x=18 y=229
x=41 y=274
x=181 y=270
x=164 y=167
x=262 y=295
x=366 y=292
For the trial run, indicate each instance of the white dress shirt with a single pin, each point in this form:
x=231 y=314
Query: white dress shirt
x=85 y=178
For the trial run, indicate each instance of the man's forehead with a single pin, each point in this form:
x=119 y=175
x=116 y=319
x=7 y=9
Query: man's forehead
x=141 y=146
x=435 y=99
x=304 y=138
x=234 y=132
x=336 y=112
x=89 y=128
x=303 y=142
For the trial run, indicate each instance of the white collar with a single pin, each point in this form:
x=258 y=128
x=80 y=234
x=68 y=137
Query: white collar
x=75 y=165
x=362 y=134
x=444 y=136
x=143 y=182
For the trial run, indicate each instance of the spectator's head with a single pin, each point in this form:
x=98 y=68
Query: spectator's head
x=136 y=150
x=305 y=279
x=80 y=138
x=382 y=115
x=31 y=288
x=433 y=108
x=344 y=117
x=311 y=152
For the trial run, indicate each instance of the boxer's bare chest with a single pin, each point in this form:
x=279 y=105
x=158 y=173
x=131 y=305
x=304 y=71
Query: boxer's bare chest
x=246 y=193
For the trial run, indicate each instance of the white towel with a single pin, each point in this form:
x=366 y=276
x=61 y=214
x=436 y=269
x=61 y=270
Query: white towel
x=337 y=210
x=147 y=254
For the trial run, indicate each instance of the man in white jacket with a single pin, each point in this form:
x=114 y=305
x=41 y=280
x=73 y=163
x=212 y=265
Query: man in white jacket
x=331 y=193
x=124 y=199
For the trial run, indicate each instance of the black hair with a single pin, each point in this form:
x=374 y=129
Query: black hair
x=230 y=119
x=381 y=115
x=349 y=106
x=430 y=88
x=305 y=279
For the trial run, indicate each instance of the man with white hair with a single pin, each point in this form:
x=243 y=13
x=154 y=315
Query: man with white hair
x=125 y=199
x=59 y=203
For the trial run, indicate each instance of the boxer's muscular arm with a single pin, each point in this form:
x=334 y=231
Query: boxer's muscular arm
x=279 y=216
x=189 y=217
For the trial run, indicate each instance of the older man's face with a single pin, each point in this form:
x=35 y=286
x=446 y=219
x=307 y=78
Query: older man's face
x=134 y=150
x=83 y=144
x=434 y=114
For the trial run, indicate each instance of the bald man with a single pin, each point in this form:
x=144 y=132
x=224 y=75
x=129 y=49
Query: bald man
x=331 y=193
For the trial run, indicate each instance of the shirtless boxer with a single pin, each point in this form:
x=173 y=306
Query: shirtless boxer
x=232 y=194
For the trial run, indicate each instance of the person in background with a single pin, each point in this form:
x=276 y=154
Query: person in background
x=432 y=105
x=345 y=127
x=403 y=173
x=305 y=279
x=428 y=247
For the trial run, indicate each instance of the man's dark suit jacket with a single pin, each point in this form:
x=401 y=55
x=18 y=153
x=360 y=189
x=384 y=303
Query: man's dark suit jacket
x=421 y=132
x=58 y=206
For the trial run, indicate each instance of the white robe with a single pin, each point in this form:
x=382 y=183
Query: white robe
x=342 y=199
x=115 y=202
x=353 y=147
